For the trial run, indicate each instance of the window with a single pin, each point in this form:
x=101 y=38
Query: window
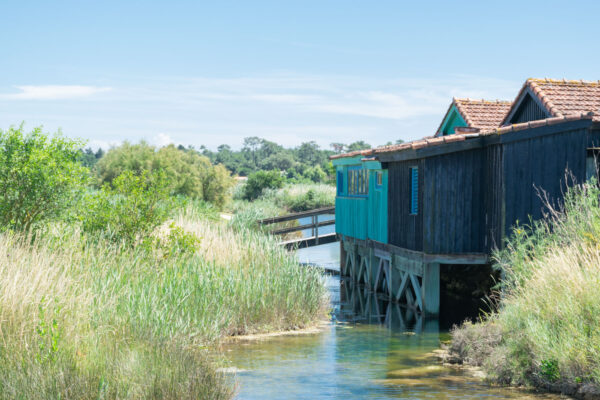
x=414 y=190
x=379 y=181
x=358 y=181
x=340 y=183
x=591 y=164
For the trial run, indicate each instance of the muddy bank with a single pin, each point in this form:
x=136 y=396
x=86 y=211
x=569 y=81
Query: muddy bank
x=450 y=355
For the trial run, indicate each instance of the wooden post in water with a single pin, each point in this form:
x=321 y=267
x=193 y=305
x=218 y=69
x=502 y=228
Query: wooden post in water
x=430 y=288
x=342 y=258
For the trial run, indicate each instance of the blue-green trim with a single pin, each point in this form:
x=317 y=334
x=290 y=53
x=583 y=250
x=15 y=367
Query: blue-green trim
x=452 y=120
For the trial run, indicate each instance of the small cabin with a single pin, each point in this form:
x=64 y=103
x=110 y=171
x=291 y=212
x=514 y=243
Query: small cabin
x=454 y=197
x=361 y=198
x=468 y=116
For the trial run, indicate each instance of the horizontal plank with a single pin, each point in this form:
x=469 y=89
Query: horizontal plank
x=457 y=258
x=430 y=151
x=328 y=269
x=309 y=241
x=465 y=258
x=301 y=227
x=293 y=216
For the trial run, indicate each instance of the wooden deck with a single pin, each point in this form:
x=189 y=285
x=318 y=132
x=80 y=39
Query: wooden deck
x=315 y=239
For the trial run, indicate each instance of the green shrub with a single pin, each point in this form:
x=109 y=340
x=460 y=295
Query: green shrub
x=549 y=311
x=188 y=172
x=315 y=174
x=302 y=197
x=261 y=180
x=40 y=177
x=130 y=210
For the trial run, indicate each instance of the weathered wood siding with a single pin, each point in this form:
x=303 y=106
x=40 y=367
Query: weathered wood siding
x=404 y=230
x=538 y=165
x=529 y=110
x=493 y=198
x=452 y=203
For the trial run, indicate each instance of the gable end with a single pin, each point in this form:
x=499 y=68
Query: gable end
x=527 y=108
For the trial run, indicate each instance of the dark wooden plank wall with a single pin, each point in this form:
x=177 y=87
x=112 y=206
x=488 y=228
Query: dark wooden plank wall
x=529 y=110
x=404 y=230
x=452 y=203
x=493 y=195
x=537 y=164
x=594 y=137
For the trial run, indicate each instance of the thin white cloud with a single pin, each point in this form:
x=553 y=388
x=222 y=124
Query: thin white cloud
x=53 y=92
x=162 y=139
x=285 y=108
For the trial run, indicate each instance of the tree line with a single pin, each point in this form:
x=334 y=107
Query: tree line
x=307 y=162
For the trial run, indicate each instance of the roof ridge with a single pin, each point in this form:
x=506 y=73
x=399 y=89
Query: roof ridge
x=564 y=81
x=483 y=101
x=539 y=92
x=462 y=112
x=575 y=116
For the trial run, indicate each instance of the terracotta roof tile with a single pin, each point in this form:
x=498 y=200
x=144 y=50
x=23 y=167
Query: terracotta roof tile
x=479 y=114
x=352 y=154
x=483 y=114
x=563 y=97
x=566 y=100
x=541 y=122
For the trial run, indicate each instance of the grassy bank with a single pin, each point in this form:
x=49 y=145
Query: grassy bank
x=84 y=317
x=546 y=330
x=273 y=202
x=123 y=290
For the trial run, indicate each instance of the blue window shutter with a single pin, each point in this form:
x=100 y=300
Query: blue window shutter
x=414 y=190
x=340 y=183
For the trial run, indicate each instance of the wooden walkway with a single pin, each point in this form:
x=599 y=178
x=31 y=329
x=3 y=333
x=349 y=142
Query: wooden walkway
x=314 y=239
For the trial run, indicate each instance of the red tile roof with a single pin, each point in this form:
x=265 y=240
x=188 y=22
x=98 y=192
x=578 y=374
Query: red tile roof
x=482 y=114
x=458 y=137
x=566 y=100
x=563 y=97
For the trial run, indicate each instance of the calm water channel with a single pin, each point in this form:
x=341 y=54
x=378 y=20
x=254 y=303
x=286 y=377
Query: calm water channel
x=371 y=350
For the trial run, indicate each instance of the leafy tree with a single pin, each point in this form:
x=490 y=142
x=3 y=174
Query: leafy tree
x=40 y=176
x=279 y=161
x=359 y=145
x=338 y=147
x=87 y=158
x=315 y=174
x=261 y=180
x=251 y=146
x=136 y=158
x=188 y=172
x=309 y=153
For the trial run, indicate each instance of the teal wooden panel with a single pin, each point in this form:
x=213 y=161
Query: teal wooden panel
x=351 y=216
x=452 y=120
x=377 y=207
x=362 y=217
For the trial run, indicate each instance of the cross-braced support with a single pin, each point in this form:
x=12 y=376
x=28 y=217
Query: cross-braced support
x=413 y=283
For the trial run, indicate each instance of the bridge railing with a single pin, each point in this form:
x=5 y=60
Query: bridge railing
x=314 y=226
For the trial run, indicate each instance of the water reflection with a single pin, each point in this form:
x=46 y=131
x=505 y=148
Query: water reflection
x=373 y=348
x=358 y=304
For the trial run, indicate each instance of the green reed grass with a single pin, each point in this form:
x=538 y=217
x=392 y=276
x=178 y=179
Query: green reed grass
x=81 y=317
x=548 y=317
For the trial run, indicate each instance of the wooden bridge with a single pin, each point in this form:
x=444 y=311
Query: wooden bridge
x=314 y=239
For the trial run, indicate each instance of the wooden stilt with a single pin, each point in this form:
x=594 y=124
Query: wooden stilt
x=430 y=290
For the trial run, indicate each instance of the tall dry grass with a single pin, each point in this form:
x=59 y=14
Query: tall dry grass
x=548 y=318
x=81 y=317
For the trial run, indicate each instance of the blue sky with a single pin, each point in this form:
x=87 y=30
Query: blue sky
x=331 y=71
